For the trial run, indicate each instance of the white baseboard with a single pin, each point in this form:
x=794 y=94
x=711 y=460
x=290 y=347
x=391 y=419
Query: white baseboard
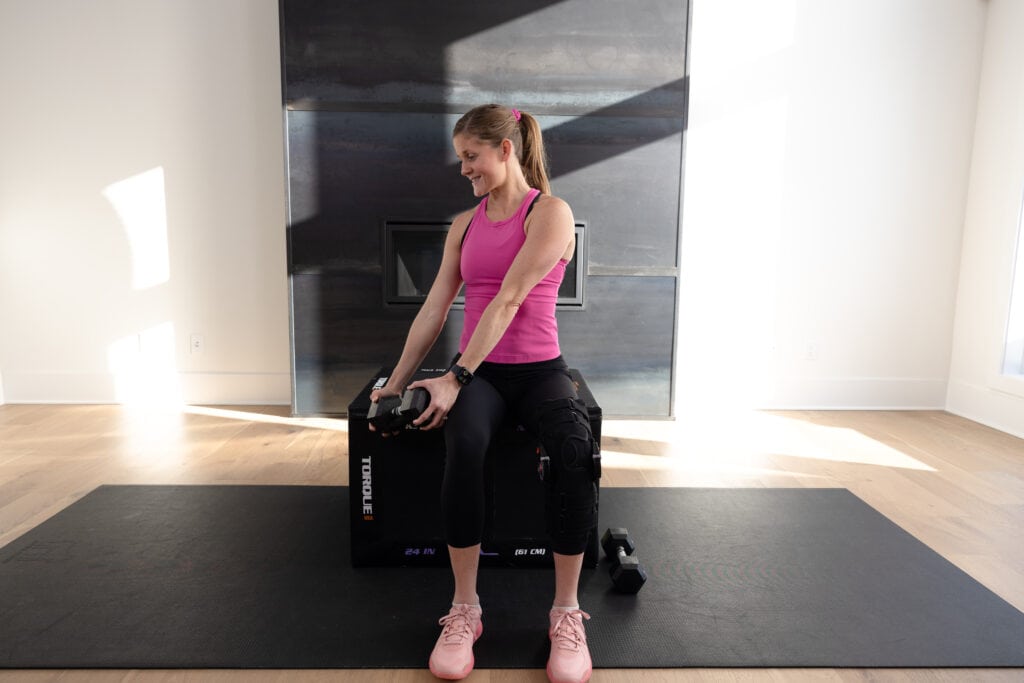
x=856 y=393
x=816 y=393
x=59 y=387
x=268 y=388
x=242 y=388
x=988 y=406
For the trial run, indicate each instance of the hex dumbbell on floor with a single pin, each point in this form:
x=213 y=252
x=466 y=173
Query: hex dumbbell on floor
x=627 y=574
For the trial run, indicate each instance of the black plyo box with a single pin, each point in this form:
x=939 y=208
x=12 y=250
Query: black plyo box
x=395 y=501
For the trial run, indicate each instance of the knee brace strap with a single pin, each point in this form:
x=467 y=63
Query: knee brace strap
x=565 y=435
x=569 y=464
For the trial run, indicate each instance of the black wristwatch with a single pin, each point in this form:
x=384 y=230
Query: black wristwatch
x=462 y=375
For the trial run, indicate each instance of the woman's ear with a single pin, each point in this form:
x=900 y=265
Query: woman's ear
x=506 y=149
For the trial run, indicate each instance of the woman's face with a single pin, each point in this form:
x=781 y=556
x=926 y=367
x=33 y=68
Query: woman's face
x=482 y=163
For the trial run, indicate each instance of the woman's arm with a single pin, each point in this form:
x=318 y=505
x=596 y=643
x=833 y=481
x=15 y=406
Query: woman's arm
x=431 y=317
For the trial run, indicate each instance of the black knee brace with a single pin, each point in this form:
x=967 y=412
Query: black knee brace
x=570 y=465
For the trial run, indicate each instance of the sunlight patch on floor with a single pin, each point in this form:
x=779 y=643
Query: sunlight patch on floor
x=742 y=437
x=330 y=424
x=614 y=460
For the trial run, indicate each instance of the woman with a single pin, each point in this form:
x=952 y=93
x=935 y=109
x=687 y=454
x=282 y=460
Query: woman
x=511 y=252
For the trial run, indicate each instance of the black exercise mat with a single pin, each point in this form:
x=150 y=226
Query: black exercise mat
x=240 y=577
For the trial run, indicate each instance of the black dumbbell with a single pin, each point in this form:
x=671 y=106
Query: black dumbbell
x=627 y=574
x=414 y=402
x=392 y=413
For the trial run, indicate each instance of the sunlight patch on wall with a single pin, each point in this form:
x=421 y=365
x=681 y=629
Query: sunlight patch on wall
x=475 y=82
x=1013 y=350
x=143 y=366
x=303 y=167
x=732 y=289
x=767 y=28
x=141 y=203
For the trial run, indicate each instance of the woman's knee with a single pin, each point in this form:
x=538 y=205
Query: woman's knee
x=572 y=469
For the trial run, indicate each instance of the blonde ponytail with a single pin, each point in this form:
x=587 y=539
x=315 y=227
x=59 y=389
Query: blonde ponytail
x=533 y=158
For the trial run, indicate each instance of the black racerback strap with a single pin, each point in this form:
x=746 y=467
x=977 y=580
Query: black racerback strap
x=531 y=205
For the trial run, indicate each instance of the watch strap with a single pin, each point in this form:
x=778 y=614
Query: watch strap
x=462 y=375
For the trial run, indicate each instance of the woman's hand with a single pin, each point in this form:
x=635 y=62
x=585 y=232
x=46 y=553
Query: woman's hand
x=443 y=390
x=375 y=396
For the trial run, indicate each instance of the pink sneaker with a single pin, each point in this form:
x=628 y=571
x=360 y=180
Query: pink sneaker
x=452 y=657
x=570 y=658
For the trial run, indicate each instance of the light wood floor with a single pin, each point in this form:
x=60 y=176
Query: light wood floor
x=954 y=484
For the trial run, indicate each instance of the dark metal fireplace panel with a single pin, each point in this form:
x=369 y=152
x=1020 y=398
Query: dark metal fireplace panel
x=412 y=253
x=372 y=91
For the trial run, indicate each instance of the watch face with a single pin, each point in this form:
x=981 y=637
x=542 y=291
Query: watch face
x=463 y=375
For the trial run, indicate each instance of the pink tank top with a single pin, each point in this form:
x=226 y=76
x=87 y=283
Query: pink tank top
x=488 y=250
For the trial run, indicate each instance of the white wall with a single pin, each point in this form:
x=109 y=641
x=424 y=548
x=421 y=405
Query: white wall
x=826 y=167
x=142 y=199
x=828 y=161
x=976 y=388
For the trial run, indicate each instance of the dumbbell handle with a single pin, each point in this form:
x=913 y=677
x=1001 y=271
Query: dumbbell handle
x=621 y=553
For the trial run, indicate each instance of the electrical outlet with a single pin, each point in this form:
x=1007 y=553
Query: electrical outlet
x=811 y=352
x=195 y=344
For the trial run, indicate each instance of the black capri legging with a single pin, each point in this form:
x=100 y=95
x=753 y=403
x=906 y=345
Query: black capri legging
x=497 y=389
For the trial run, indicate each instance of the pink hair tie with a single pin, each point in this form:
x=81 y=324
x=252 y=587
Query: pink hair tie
x=516 y=113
